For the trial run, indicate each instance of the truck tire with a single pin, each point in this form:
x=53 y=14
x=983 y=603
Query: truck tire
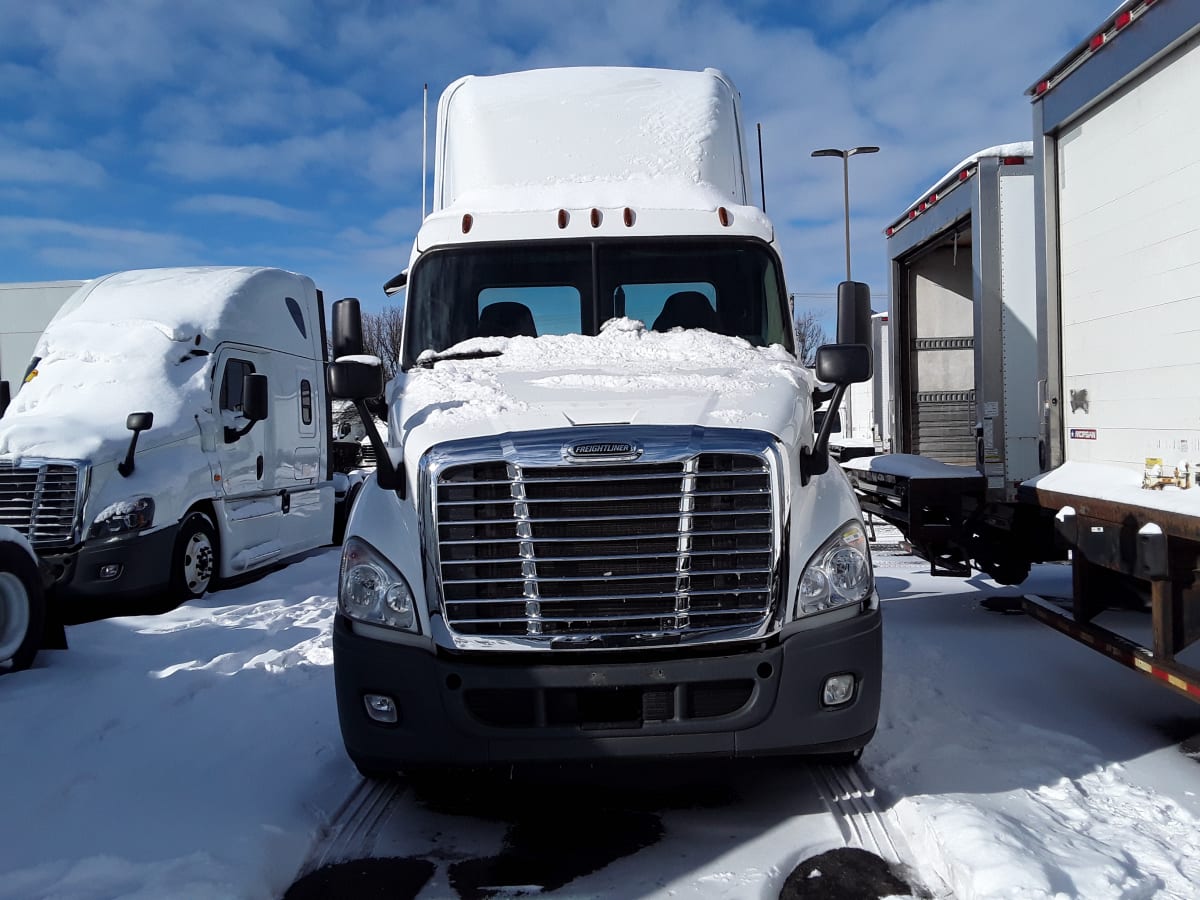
x=22 y=608
x=194 y=562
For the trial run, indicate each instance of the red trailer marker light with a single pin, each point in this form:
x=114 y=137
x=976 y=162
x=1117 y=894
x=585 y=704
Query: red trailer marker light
x=1013 y=161
x=1124 y=19
x=1096 y=42
x=1042 y=87
x=964 y=174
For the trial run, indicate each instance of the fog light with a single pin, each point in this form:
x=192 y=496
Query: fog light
x=838 y=689
x=381 y=708
x=109 y=572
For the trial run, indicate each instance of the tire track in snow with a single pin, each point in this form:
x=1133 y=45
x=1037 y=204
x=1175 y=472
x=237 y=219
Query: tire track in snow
x=354 y=827
x=850 y=798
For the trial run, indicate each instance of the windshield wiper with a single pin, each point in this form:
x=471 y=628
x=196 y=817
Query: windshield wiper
x=426 y=362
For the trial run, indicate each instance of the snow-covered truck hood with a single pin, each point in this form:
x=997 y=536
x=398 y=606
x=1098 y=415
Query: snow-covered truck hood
x=625 y=376
x=91 y=377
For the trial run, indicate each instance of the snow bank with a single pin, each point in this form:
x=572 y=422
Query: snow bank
x=1118 y=485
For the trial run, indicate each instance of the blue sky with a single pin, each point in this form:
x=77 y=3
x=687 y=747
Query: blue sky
x=138 y=133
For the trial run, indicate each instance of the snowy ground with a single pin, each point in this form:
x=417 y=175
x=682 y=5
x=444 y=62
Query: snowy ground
x=196 y=754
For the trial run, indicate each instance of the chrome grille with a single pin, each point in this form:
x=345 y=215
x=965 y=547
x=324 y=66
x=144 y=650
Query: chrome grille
x=628 y=549
x=39 y=501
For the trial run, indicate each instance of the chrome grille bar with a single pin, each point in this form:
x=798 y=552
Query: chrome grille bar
x=530 y=551
x=39 y=500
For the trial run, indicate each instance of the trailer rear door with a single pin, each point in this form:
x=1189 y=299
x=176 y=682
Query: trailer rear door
x=1129 y=263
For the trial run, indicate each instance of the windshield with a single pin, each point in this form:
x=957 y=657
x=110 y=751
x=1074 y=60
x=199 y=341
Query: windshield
x=731 y=287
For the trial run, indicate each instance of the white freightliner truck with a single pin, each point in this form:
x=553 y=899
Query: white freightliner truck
x=1117 y=167
x=965 y=406
x=173 y=429
x=601 y=524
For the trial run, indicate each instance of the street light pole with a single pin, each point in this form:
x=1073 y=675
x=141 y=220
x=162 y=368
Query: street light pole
x=845 y=156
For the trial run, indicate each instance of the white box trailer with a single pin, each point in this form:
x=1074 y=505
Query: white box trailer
x=963 y=334
x=26 y=308
x=1117 y=161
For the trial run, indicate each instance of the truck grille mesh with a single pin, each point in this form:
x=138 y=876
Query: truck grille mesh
x=39 y=502
x=622 y=549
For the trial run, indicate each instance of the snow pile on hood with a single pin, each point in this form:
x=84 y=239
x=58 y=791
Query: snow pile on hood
x=624 y=358
x=91 y=376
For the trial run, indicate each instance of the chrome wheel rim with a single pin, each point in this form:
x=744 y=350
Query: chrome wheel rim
x=198 y=563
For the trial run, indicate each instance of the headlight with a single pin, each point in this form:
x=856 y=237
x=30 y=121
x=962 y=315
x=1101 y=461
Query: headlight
x=372 y=591
x=124 y=516
x=839 y=574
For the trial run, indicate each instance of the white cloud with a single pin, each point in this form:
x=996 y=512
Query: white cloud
x=74 y=249
x=250 y=207
x=22 y=164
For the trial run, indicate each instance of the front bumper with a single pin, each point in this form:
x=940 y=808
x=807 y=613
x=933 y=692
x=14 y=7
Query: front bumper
x=474 y=710
x=143 y=564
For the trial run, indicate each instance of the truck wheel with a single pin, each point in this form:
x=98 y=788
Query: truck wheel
x=22 y=608
x=194 y=565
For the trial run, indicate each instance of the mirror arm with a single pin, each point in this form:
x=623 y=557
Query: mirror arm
x=820 y=395
x=236 y=434
x=816 y=460
x=386 y=474
x=125 y=466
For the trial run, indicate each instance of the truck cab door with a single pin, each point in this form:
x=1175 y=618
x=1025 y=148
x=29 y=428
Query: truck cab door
x=252 y=506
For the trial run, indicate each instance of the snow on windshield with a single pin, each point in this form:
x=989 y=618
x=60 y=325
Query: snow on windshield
x=623 y=358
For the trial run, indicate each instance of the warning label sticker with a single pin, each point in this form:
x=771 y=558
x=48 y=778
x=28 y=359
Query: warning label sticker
x=1083 y=434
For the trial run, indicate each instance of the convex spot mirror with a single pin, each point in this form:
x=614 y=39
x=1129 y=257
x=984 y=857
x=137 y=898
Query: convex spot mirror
x=844 y=363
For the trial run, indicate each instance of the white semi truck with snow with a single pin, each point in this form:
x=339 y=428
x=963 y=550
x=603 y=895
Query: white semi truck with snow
x=173 y=430
x=1117 y=168
x=965 y=405
x=601 y=523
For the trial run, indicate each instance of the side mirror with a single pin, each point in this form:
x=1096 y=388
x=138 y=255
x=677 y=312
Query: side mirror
x=5 y=397
x=256 y=404
x=256 y=397
x=137 y=423
x=854 y=313
x=347 y=328
x=361 y=380
x=844 y=363
x=396 y=283
x=355 y=379
x=821 y=415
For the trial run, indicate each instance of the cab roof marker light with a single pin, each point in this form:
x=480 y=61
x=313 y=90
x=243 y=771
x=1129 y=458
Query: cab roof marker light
x=724 y=217
x=597 y=218
x=467 y=221
x=563 y=218
x=628 y=217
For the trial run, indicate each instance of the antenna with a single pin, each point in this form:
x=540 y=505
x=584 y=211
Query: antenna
x=762 y=184
x=424 y=144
